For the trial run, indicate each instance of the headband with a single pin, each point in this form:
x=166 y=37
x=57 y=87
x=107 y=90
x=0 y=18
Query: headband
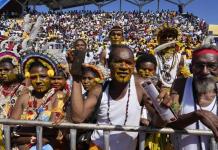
x=96 y=70
x=205 y=51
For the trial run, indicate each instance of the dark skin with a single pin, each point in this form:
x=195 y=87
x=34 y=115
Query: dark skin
x=82 y=109
x=202 y=67
x=58 y=82
x=88 y=80
x=79 y=45
x=41 y=82
x=7 y=75
x=116 y=38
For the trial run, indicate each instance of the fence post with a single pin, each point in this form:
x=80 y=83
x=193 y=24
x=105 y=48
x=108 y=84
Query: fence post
x=39 y=131
x=213 y=144
x=142 y=140
x=7 y=132
x=106 y=139
x=73 y=139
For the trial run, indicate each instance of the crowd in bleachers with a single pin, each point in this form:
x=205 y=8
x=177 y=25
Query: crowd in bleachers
x=139 y=27
x=113 y=68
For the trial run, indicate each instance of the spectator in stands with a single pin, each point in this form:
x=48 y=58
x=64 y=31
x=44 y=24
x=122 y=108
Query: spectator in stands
x=168 y=55
x=195 y=100
x=10 y=81
x=146 y=65
x=79 y=54
x=41 y=103
x=120 y=102
x=91 y=76
x=116 y=38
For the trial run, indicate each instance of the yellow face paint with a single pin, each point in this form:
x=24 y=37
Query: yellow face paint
x=168 y=53
x=145 y=73
x=8 y=73
x=116 y=37
x=40 y=82
x=147 y=69
x=122 y=71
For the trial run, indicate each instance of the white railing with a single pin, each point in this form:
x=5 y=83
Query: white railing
x=106 y=128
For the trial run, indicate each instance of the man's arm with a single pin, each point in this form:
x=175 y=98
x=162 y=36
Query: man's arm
x=81 y=108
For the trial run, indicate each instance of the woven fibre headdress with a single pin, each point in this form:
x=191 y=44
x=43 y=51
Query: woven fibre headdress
x=167 y=28
x=8 y=49
x=46 y=59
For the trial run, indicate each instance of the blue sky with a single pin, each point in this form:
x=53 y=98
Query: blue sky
x=206 y=9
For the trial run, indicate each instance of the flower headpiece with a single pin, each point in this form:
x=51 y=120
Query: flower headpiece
x=94 y=68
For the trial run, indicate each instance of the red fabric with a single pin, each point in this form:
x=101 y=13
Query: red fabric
x=205 y=51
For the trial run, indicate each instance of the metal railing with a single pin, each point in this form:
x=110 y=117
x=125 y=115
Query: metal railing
x=106 y=128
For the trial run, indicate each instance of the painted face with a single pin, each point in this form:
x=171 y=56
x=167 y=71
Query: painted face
x=7 y=72
x=58 y=82
x=122 y=66
x=205 y=66
x=146 y=69
x=39 y=79
x=167 y=37
x=88 y=80
x=116 y=37
x=80 y=45
x=167 y=53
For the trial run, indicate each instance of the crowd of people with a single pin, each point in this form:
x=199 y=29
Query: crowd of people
x=93 y=67
x=139 y=28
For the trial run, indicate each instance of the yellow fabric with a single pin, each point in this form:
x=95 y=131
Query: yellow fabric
x=2 y=146
x=158 y=141
x=94 y=147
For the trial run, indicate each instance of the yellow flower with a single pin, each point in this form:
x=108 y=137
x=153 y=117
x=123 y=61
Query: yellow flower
x=50 y=73
x=27 y=74
x=98 y=80
x=185 y=72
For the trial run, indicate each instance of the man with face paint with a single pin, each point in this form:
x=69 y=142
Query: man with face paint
x=41 y=102
x=195 y=100
x=168 y=55
x=120 y=101
x=116 y=38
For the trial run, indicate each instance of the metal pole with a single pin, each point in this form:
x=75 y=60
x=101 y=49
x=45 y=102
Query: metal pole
x=39 y=131
x=142 y=140
x=104 y=127
x=158 y=5
x=213 y=144
x=73 y=139
x=6 y=129
x=106 y=139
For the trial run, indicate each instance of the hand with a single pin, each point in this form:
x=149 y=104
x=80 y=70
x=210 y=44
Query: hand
x=32 y=140
x=165 y=98
x=210 y=120
x=69 y=55
x=144 y=122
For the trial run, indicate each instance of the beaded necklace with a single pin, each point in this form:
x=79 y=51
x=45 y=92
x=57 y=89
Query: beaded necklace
x=8 y=97
x=127 y=107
